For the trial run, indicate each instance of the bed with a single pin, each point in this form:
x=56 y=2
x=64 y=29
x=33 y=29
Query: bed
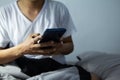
x=106 y=66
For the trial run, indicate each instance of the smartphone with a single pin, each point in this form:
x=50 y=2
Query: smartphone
x=53 y=34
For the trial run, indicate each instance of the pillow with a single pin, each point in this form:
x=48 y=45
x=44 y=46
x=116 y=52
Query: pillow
x=106 y=66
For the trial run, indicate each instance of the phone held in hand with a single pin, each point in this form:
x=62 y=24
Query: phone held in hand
x=53 y=34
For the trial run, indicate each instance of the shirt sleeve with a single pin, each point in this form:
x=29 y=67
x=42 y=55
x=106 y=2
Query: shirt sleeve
x=66 y=21
x=4 y=38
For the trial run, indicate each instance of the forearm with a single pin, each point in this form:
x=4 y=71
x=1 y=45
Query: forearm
x=10 y=54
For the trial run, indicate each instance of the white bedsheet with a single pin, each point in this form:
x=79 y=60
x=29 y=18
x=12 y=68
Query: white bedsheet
x=107 y=66
x=14 y=73
x=70 y=73
x=9 y=72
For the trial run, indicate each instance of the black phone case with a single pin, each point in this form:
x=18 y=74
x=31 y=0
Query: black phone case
x=53 y=34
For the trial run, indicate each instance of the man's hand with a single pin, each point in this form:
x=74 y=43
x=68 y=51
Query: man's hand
x=64 y=47
x=31 y=45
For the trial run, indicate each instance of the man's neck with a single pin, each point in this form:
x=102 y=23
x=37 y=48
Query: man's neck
x=31 y=4
x=30 y=8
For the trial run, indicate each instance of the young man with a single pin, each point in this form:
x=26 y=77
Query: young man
x=22 y=24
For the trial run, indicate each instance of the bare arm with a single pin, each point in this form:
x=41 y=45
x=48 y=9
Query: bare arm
x=10 y=54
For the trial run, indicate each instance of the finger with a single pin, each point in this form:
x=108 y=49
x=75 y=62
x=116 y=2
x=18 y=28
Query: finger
x=36 y=46
x=46 y=44
x=51 y=51
x=44 y=51
x=34 y=51
x=48 y=51
x=46 y=48
x=37 y=38
x=35 y=35
x=39 y=46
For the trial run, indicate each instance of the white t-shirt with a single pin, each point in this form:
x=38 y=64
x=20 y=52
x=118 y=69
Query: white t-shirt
x=15 y=27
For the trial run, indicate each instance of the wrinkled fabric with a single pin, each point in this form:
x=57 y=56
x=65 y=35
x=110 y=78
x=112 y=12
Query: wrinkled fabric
x=106 y=66
x=10 y=72
x=4 y=76
x=62 y=74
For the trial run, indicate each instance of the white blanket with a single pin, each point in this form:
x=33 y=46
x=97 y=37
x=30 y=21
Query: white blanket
x=107 y=66
x=70 y=73
x=13 y=73
x=9 y=72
